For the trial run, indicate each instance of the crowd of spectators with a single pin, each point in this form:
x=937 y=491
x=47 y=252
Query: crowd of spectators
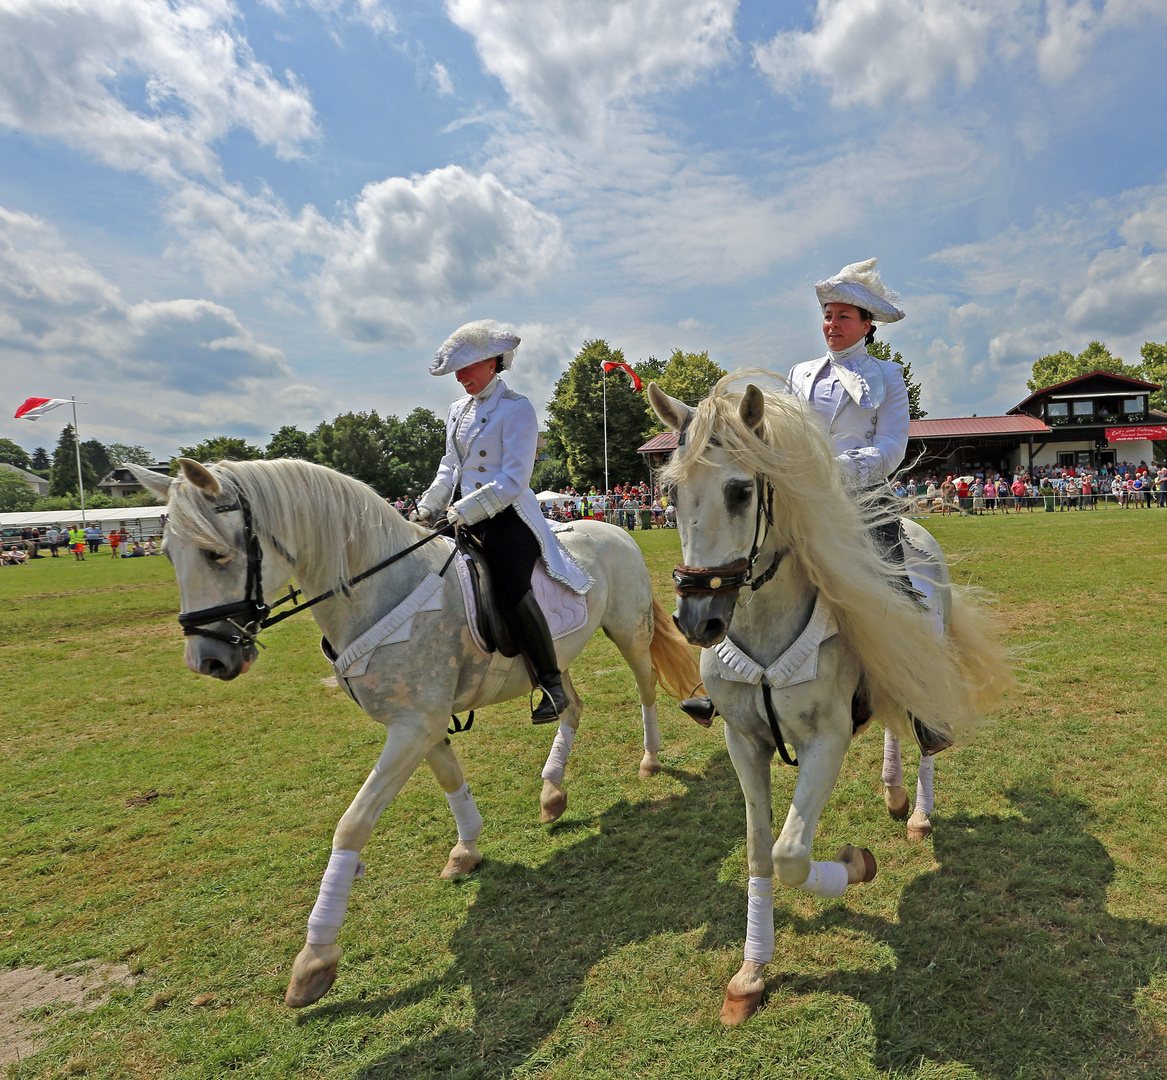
x=76 y=540
x=1053 y=488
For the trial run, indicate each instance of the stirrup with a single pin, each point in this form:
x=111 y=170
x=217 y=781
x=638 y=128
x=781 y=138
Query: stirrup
x=700 y=709
x=554 y=702
x=931 y=742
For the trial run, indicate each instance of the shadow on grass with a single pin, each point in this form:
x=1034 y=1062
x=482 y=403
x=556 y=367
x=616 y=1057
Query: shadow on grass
x=1006 y=958
x=534 y=933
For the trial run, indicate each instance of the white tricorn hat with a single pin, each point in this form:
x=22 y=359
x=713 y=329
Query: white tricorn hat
x=476 y=341
x=859 y=284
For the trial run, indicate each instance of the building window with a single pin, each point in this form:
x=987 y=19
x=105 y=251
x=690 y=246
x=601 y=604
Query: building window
x=1057 y=412
x=1083 y=408
x=1132 y=404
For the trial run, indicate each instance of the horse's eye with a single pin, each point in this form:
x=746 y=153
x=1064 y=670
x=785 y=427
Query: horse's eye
x=216 y=556
x=738 y=494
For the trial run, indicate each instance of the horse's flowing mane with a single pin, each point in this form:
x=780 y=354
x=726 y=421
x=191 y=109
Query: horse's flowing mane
x=330 y=522
x=825 y=525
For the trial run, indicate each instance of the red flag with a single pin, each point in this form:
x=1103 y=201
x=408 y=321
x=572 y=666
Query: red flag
x=38 y=406
x=610 y=364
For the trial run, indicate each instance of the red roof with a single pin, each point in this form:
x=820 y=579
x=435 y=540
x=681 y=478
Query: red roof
x=973 y=426
x=664 y=443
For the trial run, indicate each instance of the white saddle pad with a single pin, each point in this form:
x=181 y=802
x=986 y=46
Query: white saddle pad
x=565 y=610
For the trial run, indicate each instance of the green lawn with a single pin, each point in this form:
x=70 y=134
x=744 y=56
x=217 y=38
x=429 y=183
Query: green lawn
x=1027 y=939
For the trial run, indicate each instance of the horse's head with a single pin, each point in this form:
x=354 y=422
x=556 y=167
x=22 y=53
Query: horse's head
x=723 y=515
x=218 y=559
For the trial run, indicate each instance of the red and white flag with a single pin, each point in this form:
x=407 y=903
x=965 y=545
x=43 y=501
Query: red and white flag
x=38 y=406
x=610 y=364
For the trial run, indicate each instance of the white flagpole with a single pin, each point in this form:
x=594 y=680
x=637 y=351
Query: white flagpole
x=80 y=478
x=604 y=376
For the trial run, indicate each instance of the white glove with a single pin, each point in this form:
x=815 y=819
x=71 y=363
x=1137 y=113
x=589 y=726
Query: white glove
x=421 y=515
x=455 y=518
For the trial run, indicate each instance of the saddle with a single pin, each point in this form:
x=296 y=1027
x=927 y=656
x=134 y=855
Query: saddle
x=488 y=620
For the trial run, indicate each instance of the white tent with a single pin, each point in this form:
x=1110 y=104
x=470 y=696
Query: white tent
x=555 y=497
x=141 y=521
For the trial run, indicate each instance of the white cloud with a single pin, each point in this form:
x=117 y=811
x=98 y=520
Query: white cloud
x=412 y=247
x=57 y=309
x=868 y=52
x=143 y=84
x=564 y=61
x=442 y=79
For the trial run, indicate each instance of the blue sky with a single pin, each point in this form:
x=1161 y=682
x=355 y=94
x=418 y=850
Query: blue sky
x=219 y=218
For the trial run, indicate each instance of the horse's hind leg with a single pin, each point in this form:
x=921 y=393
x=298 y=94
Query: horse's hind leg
x=553 y=797
x=464 y=856
x=919 y=825
x=895 y=795
x=635 y=646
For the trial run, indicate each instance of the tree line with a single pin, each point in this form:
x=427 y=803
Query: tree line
x=1062 y=365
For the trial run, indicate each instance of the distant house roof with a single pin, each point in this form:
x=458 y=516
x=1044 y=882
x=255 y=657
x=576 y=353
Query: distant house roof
x=664 y=443
x=1066 y=388
x=38 y=483
x=976 y=426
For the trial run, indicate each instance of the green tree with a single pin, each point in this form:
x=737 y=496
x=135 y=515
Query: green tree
x=219 y=448
x=1154 y=369
x=131 y=453
x=354 y=444
x=550 y=475
x=97 y=455
x=291 y=442
x=1062 y=365
x=414 y=447
x=881 y=350
x=15 y=492
x=41 y=462
x=12 y=454
x=63 y=470
x=689 y=377
x=575 y=431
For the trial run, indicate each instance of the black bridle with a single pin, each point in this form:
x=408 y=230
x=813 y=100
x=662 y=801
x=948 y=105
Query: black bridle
x=729 y=577
x=251 y=615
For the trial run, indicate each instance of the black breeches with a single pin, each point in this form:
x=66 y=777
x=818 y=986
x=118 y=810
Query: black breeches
x=511 y=551
x=887 y=536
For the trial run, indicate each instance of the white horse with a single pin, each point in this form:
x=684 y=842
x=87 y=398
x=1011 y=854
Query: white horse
x=822 y=640
x=238 y=530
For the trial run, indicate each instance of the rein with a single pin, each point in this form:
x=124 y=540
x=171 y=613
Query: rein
x=729 y=577
x=251 y=615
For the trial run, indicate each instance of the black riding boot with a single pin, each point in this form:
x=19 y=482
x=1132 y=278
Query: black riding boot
x=700 y=709
x=534 y=642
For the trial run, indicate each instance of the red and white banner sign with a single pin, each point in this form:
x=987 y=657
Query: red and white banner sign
x=38 y=406
x=609 y=365
x=1136 y=434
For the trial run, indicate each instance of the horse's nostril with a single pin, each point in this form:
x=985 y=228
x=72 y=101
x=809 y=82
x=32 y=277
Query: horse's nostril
x=211 y=666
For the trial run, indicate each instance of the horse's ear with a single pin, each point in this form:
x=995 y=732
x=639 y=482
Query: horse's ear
x=200 y=476
x=673 y=414
x=149 y=479
x=752 y=408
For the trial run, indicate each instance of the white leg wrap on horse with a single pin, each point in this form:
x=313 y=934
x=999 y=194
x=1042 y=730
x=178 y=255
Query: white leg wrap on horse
x=466 y=815
x=893 y=765
x=560 y=751
x=651 y=731
x=826 y=879
x=760 y=921
x=328 y=915
x=924 y=784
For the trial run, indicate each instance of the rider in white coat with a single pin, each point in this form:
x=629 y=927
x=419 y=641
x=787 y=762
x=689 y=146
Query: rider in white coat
x=483 y=484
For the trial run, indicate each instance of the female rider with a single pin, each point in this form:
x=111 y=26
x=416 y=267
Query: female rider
x=483 y=484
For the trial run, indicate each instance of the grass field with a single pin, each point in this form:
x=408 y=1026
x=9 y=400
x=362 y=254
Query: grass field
x=1027 y=939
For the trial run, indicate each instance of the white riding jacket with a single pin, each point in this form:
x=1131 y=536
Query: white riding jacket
x=869 y=421
x=491 y=443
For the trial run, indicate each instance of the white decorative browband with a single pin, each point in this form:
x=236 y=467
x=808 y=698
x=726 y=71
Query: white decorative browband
x=798 y=664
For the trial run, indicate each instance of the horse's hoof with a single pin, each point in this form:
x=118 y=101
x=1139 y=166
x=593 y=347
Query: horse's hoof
x=860 y=864
x=313 y=974
x=461 y=863
x=919 y=827
x=552 y=803
x=898 y=804
x=739 y=1007
x=648 y=767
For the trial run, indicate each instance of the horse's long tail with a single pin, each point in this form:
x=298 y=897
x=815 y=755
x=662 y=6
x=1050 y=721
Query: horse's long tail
x=672 y=656
x=984 y=664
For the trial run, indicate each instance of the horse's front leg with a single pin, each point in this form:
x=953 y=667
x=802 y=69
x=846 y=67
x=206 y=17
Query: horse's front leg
x=408 y=739
x=751 y=755
x=553 y=797
x=895 y=795
x=465 y=855
x=820 y=757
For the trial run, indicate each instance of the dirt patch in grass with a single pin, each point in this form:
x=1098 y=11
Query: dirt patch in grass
x=31 y=998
